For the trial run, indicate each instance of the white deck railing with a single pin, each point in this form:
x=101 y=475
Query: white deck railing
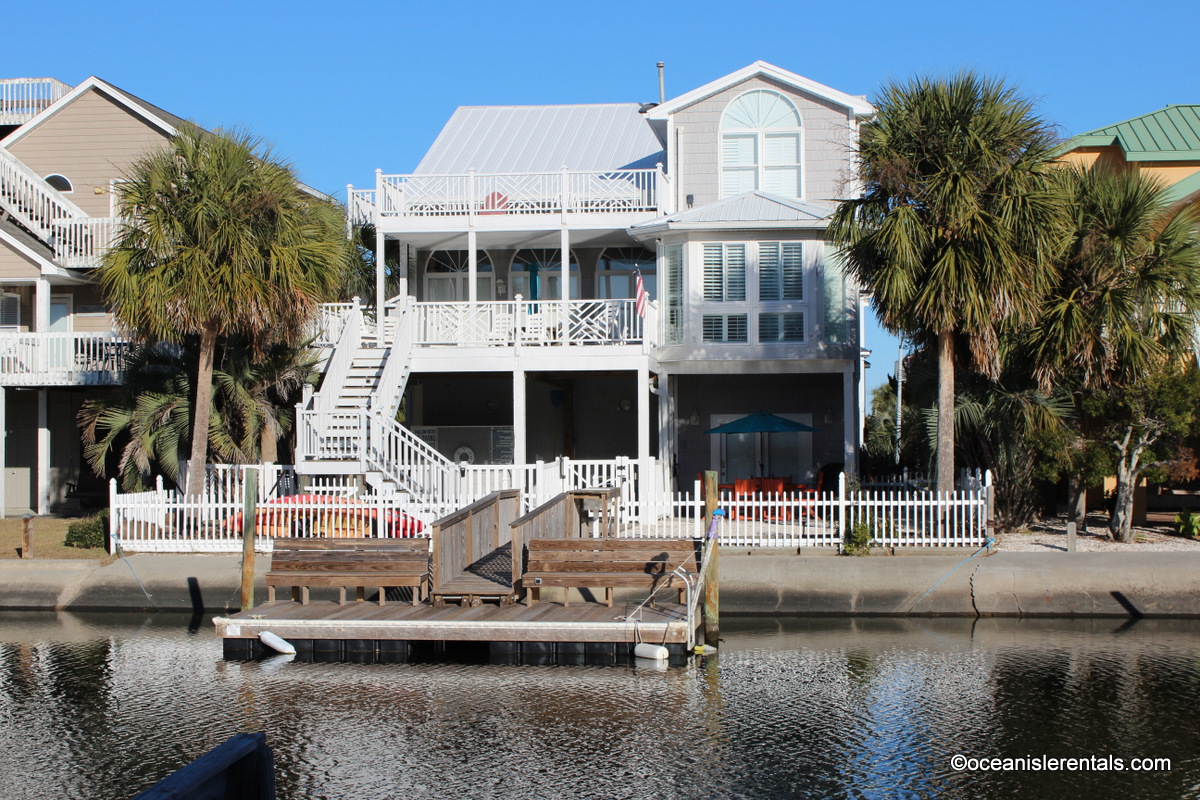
x=80 y=243
x=511 y=194
x=535 y=323
x=21 y=99
x=32 y=201
x=61 y=358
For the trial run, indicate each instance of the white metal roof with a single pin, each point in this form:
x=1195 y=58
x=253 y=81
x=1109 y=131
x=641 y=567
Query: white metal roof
x=748 y=210
x=507 y=139
x=859 y=106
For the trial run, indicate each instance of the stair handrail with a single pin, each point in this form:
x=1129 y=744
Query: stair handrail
x=340 y=360
x=389 y=389
x=409 y=461
x=41 y=206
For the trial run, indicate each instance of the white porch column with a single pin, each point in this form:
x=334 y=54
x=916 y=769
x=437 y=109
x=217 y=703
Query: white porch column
x=43 y=452
x=472 y=258
x=519 y=427
x=849 y=421
x=380 y=290
x=3 y=463
x=564 y=245
x=41 y=305
x=643 y=412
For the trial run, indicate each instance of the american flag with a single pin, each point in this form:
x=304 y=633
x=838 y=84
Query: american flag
x=642 y=296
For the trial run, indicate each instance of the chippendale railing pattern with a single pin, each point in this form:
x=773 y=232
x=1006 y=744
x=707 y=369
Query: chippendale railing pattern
x=495 y=195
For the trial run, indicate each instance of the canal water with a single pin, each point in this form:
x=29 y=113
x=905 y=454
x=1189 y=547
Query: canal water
x=102 y=706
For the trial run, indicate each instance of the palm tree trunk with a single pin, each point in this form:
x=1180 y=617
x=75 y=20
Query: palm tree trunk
x=1077 y=512
x=945 y=430
x=268 y=450
x=202 y=412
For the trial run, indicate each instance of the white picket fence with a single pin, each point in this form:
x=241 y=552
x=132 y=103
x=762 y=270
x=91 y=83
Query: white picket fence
x=163 y=520
x=166 y=521
x=962 y=518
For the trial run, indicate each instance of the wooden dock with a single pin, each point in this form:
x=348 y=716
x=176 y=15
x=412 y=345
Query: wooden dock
x=477 y=560
x=543 y=633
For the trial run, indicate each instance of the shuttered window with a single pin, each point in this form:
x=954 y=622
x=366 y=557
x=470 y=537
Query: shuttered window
x=782 y=327
x=674 y=294
x=725 y=328
x=10 y=312
x=724 y=272
x=780 y=271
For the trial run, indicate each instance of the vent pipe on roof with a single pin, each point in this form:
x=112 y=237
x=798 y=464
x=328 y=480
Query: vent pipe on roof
x=662 y=87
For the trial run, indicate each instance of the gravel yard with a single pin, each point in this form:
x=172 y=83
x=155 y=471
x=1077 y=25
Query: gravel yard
x=1051 y=534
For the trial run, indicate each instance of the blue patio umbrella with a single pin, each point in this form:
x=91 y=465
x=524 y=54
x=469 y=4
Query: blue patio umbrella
x=761 y=423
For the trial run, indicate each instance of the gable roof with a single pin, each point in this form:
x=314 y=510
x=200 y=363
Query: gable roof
x=164 y=121
x=748 y=210
x=591 y=138
x=1169 y=134
x=852 y=103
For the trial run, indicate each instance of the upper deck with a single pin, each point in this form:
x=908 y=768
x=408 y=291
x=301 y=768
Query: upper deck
x=511 y=201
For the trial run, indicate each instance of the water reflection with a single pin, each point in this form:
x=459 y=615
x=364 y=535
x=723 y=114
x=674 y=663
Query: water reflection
x=104 y=705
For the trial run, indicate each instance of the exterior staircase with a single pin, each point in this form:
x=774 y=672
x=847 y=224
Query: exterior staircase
x=350 y=425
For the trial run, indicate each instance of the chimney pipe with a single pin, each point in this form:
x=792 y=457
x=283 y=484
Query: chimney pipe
x=662 y=90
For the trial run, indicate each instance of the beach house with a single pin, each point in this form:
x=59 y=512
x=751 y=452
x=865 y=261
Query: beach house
x=520 y=336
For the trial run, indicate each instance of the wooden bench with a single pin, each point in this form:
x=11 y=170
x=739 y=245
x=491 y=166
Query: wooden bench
x=608 y=564
x=361 y=563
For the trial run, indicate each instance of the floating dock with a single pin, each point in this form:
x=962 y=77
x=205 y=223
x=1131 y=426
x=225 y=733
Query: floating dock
x=544 y=633
x=459 y=592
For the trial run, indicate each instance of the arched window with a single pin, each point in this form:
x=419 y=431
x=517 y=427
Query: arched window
x=761 y=145
x=60 y=183
x=615 y=272
x=537 y=275
x=447 y=274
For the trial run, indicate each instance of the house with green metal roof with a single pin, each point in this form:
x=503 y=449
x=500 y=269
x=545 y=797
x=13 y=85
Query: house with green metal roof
x=1163 y=143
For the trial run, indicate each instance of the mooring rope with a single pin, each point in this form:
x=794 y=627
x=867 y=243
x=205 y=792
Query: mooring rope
x=121 y=552
x=986 y=545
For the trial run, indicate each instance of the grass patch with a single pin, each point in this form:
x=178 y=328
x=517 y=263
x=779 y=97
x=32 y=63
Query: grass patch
x=49 y=533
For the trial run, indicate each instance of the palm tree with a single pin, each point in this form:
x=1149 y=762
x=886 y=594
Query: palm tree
x=950 y=230
x=1125 y=303
x=220 y=239
x=147 y=421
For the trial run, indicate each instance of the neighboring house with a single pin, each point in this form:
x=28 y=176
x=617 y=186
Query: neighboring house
x=512 y=354
x=62 y=148
x=1164 y=143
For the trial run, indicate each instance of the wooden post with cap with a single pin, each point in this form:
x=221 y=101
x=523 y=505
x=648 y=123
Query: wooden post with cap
x=712 y=589
x=249 y=526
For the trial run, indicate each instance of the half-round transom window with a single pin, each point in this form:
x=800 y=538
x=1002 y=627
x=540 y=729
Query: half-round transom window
x=60 y=183
x=761 y=145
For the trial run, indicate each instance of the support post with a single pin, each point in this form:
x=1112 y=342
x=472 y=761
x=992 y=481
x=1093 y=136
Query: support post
x=3 y=463
x=249 y=507
x=472 y=257
x=1070 y=537
x=27 y=540
x=43 y=451
x=564 y=247
x=712 y=589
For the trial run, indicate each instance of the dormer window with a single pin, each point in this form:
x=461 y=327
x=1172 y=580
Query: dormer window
x=761 y=145
x=60 y=183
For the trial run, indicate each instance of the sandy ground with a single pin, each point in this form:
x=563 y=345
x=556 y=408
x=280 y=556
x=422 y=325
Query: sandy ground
x=1051 y=534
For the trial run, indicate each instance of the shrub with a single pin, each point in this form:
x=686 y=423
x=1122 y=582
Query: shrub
x=1187 y=524
x=87 y=533
x=858 y=540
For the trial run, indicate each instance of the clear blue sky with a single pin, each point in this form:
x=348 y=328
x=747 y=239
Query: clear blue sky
x=343 y=88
